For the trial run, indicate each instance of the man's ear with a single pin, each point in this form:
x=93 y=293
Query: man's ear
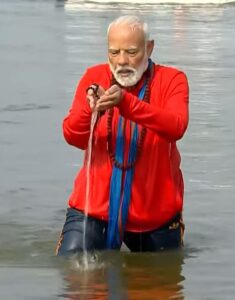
x=150 y=46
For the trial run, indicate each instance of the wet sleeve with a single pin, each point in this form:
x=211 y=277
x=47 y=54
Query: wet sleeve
x=76 y=125
x=169 y=121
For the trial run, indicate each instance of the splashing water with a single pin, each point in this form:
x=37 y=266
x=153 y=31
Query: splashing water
x=94 y=116
x=87 y=262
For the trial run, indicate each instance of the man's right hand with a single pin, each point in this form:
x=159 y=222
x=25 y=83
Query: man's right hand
x=93 y=96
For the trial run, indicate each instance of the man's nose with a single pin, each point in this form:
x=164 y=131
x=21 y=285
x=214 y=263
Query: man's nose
x=123 y=58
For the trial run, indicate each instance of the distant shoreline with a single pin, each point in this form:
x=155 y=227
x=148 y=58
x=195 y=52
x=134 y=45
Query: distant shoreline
x=155 y=1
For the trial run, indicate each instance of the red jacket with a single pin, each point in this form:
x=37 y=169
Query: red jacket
x=157 y=187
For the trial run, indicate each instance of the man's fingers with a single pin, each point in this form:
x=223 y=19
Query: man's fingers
x=92 y=102
x=93 y=89
x=94 y=93
x=101 y=91
x=113 y=89
x=106 y=102
x=104 y=105
x=105 y=98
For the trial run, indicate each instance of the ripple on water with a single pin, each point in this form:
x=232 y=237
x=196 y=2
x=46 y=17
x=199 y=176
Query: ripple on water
x=7 y=122
x=24 y=107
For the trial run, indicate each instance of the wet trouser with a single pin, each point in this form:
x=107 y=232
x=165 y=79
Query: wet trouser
x=73 y=240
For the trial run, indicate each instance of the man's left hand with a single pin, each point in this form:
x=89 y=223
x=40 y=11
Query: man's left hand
x=111 y=98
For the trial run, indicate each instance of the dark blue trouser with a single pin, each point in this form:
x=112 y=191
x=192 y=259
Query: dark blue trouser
x=72 y=239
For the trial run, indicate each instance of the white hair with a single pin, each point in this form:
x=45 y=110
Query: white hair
x=133 y=22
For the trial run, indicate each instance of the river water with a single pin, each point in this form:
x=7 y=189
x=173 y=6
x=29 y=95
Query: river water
x=45 y=46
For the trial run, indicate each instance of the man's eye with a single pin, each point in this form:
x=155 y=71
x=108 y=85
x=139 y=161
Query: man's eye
x=113 y=53
x=132 y=52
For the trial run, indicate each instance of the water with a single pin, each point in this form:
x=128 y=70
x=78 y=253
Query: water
x=89 y=153
x=45 y=47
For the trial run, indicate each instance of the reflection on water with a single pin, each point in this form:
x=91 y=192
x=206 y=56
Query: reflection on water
x=126 y=276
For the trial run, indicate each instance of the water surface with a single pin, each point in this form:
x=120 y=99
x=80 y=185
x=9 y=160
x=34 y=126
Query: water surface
x=45 y=46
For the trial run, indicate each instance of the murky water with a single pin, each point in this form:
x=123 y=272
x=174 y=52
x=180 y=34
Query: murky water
x=45 y=46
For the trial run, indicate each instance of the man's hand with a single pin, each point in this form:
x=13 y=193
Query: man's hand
x=94 y=92
x=110 y=98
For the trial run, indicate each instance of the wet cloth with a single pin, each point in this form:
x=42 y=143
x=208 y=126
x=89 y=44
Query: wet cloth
x=72 y=239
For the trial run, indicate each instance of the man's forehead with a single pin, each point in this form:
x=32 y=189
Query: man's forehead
x=112 y=47
x=125 y=40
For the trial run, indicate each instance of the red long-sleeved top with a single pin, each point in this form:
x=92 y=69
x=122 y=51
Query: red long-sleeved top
x=157 y=187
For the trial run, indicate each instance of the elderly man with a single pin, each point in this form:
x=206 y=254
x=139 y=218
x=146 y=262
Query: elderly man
x=132 y=189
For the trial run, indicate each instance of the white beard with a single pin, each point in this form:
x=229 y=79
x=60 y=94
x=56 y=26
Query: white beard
x=134 y=76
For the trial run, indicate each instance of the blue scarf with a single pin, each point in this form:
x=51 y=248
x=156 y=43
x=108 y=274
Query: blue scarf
x=120 y=186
